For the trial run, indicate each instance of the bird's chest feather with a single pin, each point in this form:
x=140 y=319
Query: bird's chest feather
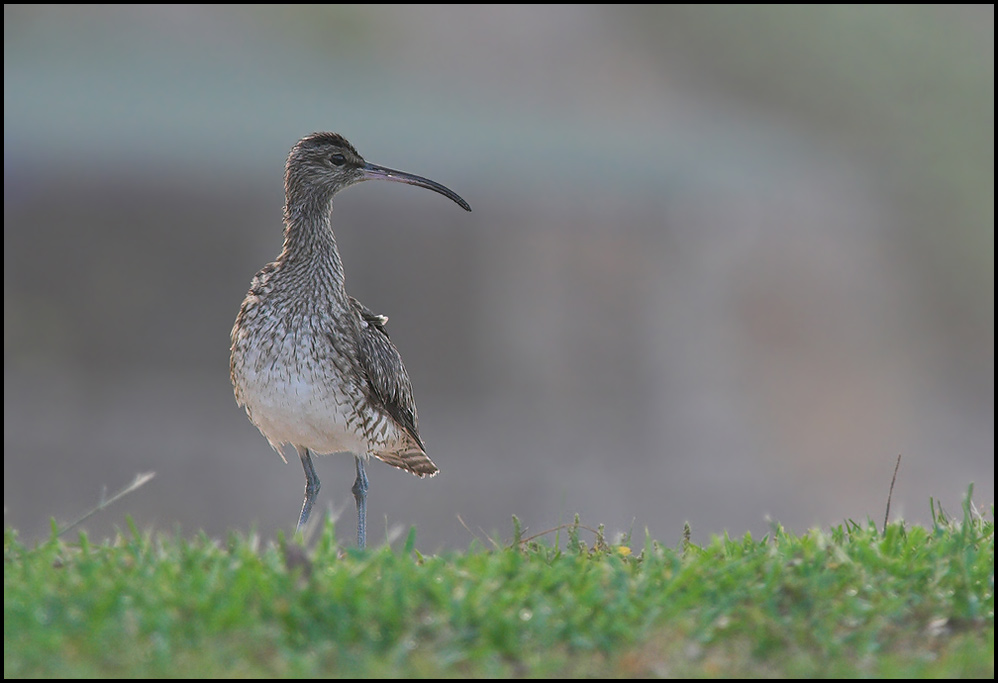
x=292 y=371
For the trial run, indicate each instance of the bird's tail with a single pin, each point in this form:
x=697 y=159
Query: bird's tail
x=413 y=460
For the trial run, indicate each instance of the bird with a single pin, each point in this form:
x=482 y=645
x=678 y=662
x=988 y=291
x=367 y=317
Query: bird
x=312 y=366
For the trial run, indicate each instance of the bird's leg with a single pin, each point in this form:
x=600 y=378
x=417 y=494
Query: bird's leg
x=311 y=487
x=360 y=495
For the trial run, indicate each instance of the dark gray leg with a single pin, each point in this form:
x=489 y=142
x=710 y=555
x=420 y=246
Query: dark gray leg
x=360 y=495
x=311 y=487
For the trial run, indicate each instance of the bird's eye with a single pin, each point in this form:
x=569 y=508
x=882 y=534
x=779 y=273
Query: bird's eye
x=337 y=159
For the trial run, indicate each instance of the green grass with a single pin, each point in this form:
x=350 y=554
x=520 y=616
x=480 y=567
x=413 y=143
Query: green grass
x=848 y=601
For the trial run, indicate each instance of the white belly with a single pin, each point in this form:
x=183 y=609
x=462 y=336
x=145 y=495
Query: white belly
x=297 y=398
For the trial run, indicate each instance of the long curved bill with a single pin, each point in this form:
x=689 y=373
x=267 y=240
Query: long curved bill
x=375 y=172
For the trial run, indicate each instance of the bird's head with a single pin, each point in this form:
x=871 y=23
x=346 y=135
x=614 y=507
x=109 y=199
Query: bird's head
x=322 y=164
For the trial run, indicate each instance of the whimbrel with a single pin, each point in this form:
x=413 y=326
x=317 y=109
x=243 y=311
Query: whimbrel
x=314 y=367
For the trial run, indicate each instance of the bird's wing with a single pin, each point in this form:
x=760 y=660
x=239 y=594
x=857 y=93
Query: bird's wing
x=386 y=375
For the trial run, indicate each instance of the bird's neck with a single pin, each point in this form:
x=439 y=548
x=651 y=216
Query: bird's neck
x=310 y=245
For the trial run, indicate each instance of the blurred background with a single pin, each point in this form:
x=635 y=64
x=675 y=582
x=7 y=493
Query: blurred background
x=724 y=264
